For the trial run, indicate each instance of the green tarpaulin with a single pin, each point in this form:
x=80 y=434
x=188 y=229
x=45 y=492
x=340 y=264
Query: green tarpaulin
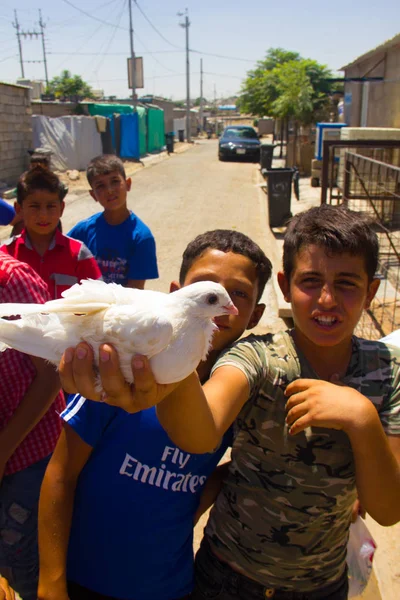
x=155 y=129
x=107 y=110
x=142 y=130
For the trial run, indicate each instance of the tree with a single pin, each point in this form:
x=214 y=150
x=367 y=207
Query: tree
x=69 y=85
x=259 y=89
x=197 y=102
x=285 y=85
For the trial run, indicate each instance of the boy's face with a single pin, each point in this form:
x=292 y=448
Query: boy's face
x=237 y=274
x=110 y=190
x=328 y=295
x=41 y=211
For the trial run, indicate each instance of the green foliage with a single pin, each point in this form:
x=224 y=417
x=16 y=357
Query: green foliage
x=198 y=100
x=69 y=85
x=285 y=85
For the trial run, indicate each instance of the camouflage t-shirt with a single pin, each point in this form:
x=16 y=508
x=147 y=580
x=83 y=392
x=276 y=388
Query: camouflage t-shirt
x=283 y=514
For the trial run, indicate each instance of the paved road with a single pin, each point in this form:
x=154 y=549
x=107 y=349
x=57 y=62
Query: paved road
x=187 y=194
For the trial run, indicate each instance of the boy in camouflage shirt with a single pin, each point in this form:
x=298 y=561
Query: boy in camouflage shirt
x=316 y=413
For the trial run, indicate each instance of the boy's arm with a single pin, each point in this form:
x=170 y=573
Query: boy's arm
x=87 y=267
x=376 y=455
x=34 y=405
x=211 y=489
x=195 y=420
x=6 y=592
x=136 y=283
x=197 y=417
x=55 y=512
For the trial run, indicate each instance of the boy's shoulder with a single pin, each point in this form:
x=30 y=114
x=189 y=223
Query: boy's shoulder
x=270 y=349
x=72 y=246
x=86 y=223
x=375 y=355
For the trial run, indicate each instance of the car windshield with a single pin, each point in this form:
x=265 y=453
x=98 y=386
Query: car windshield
x=240 y=133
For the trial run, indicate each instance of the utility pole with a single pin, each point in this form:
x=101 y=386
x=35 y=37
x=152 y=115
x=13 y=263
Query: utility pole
x=42 y=26
x=133 y=65
x=216 y=111
x=186 y=26
x=31 y=34
x=21 y=62
x=201 y=95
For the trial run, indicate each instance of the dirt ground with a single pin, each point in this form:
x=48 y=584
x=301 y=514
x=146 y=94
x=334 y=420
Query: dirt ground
x=81 y=184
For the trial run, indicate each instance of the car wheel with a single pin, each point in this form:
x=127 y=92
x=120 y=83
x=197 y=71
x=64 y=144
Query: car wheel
x=221 y=157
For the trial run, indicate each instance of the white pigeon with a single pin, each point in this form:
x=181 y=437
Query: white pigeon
x=174 y=330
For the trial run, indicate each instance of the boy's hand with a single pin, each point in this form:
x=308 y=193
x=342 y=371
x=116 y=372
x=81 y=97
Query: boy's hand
x=77 y=375
x=323 y=404
x=357 y=511
x=6 y=593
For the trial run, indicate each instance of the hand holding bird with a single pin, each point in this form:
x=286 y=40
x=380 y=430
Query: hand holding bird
x=173 y=330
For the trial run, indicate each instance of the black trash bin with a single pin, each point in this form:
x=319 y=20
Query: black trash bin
x=169 y=141
x=266 y=155
x=181 y=135
x=279 y=187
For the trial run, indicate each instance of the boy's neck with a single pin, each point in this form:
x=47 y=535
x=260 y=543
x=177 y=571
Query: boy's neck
x=326 y=361
x=116 y=217
x=40 y=243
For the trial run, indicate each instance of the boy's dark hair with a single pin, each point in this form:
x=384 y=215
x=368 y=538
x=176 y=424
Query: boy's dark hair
x=103 y=165
x=36 y=178
x=227 y=240
x=337 y=230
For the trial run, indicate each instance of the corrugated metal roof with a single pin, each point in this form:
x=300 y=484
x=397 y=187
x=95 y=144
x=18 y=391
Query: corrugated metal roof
x=394 y=41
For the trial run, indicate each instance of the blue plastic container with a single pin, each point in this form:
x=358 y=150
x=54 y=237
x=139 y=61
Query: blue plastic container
x=326 y=131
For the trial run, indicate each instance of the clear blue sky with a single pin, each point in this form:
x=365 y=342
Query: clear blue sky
x=96 y=45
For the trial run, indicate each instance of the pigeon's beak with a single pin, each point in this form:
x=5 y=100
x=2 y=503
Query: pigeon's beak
x=231 y=309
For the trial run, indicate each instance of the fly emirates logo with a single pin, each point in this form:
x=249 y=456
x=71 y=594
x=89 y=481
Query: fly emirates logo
x=161 y=476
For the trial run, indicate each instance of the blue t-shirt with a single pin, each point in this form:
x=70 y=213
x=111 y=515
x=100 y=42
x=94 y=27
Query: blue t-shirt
x=7 y=212
x=124 y=251
x=132 y=528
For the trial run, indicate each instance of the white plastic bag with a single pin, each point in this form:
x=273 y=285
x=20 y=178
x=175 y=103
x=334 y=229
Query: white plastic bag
x=360 y=553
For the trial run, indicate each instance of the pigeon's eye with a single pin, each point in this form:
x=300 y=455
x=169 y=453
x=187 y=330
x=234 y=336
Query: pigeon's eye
x=212 y=299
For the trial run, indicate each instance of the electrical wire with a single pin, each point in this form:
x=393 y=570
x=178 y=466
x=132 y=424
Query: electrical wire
x=190 y=50
x=77 y=51
x=8 y=57
x=222 y=56
x=115 y=53
x=153 y=57
x=92 y=17
x=155 y=28
x=103 y=54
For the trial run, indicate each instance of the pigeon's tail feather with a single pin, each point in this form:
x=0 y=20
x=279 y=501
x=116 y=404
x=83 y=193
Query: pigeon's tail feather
x=82 y=308
x=12 y=309
x=28 y=338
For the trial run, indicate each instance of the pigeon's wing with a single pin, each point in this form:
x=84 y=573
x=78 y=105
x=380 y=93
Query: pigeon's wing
x=87 y=297
x=136 y=332
x=141 y=331
x=39 y=335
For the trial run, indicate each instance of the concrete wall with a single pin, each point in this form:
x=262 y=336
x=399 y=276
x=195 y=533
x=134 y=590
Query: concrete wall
x=15 y=131
x=53 y=109
x=381 y=100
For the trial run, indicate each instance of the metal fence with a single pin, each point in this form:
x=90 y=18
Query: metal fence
x=373 y=186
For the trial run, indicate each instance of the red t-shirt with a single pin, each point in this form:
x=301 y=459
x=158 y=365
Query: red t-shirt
x=19 y=283
x=66 y=262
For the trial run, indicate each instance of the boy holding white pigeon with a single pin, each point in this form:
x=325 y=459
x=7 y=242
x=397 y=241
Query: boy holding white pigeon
x=305 y=445
x=119 y=499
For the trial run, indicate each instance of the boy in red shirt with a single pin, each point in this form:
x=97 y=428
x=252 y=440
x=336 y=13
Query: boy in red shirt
x=30 y=403
x=59 y=260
